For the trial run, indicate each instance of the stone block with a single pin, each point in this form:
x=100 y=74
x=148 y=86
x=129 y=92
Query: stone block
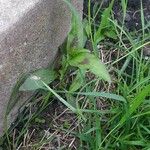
x=30 y=33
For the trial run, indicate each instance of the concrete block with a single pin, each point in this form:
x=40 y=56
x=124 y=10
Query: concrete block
x=30 y=33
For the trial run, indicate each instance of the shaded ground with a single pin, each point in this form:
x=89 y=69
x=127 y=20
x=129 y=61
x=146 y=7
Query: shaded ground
x=133 y=19
x=133 y=16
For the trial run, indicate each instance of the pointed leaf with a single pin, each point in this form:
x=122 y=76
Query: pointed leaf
x=85 y=60
x=33 y=82
x=104 y=23
x=78 y=82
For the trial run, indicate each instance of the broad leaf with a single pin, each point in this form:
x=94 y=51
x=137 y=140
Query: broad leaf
x=85 y=60
x=33 y=82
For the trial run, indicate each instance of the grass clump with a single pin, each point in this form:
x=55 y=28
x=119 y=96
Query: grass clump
x=95 y=109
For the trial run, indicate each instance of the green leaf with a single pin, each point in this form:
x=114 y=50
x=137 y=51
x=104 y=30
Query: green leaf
x=59 y=97
x=78 y=81
x=85 y=60
x=109 y=96
x=104 y=23
x=99 y=69
x=80 y=60
x=111 y=34
x=137 y=101
x=33 y=82
x=77 y=26
x=86 y=27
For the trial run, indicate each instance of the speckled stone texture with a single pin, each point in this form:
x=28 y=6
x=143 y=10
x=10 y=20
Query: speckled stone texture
x=30 y=33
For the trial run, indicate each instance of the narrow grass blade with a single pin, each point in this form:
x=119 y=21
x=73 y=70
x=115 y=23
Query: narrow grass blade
x=138 y=100
x=60 y=98
x=99 y=94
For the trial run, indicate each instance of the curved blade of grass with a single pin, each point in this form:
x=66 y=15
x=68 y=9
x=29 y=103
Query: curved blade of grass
x=60 y=98
x=14 y=98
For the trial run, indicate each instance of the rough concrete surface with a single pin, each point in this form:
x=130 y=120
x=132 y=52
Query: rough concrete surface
x=30 y=33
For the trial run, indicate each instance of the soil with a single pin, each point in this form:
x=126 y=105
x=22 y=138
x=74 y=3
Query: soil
x=133 y=17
